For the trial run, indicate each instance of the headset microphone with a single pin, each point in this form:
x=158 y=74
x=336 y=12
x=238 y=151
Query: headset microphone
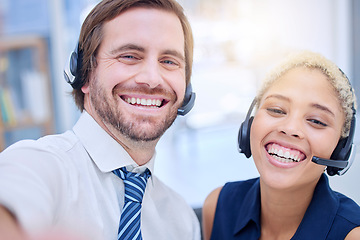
x=338 y=167
x=330 y=162
x=344 y=154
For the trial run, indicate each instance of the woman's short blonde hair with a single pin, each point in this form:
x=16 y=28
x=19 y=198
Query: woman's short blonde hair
x=336 y=77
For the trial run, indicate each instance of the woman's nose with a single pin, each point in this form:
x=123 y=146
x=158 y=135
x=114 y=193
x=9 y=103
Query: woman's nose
x=292 y=127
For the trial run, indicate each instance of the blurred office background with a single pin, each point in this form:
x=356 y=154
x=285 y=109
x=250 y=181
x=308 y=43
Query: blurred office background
x=236 y=43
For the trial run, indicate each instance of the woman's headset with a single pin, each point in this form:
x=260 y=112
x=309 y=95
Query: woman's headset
x=340 y=161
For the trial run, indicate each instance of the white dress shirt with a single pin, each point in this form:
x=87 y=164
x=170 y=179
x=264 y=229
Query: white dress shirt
x=66 y=181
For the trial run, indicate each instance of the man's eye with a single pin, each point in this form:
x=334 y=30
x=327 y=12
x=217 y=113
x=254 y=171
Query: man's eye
x=169 y=62
x=127 y=57
x=317 y=122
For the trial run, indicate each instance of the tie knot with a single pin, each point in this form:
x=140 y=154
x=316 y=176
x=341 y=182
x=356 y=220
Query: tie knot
x=135 y=183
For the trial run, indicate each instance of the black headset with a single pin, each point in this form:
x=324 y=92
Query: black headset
x=341 y=158
x=72 y=75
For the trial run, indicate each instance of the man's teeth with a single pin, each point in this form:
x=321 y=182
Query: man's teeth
x=144 y=102
x=283 y=155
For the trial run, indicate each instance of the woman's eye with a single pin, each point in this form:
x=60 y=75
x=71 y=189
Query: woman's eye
x=275 y=111
x=317 y=122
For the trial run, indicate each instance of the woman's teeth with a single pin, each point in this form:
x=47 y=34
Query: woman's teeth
x=285 y=155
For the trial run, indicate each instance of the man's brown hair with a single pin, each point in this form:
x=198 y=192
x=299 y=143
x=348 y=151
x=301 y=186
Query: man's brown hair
x=91 y=35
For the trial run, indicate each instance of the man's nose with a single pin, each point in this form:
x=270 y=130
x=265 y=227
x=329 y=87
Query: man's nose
x=150 y=74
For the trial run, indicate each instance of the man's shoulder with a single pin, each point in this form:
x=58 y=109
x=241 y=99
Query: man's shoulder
x=56 y=144
x=169 y=198
x=164 y=191
x=175 y=209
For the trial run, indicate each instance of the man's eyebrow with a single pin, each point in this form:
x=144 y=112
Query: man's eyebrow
x=175 y=53
x=127 y=47
x=141 y=49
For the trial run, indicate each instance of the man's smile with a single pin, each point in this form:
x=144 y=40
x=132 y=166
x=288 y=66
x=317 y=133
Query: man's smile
x=145 y=102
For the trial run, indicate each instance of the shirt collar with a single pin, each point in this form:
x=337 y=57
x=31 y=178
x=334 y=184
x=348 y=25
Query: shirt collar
x=321 y=212
x=250 y=208
x=105 y=151
x=318 y=217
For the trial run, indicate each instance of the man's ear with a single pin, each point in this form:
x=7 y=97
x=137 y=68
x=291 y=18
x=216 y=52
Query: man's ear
x=85 y=88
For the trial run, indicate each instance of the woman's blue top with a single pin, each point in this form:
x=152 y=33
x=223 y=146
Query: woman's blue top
x=330 y=215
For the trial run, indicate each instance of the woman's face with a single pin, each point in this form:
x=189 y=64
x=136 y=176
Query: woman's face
x=299 y=117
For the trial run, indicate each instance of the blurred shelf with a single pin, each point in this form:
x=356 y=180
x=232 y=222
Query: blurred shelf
x=25 y=86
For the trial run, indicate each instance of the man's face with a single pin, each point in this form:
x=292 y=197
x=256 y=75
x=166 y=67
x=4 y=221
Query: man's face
x=139 y=82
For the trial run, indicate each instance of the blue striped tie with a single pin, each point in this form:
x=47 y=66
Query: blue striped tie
x=135 y=183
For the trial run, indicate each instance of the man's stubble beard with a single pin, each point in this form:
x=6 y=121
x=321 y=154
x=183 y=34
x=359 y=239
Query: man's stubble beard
x=130 y=128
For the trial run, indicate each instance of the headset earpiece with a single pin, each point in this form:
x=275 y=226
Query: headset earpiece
x=343 y=150
x=244 y=132
x=189 y=101
x=244 y=137
x=72 y=71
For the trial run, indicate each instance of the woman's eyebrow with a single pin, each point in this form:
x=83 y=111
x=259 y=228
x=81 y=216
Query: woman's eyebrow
x=278 y=96
x=314 y=105
x=323 y=108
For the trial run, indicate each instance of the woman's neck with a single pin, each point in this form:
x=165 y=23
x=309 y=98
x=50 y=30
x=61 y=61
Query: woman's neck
x=283 y=210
